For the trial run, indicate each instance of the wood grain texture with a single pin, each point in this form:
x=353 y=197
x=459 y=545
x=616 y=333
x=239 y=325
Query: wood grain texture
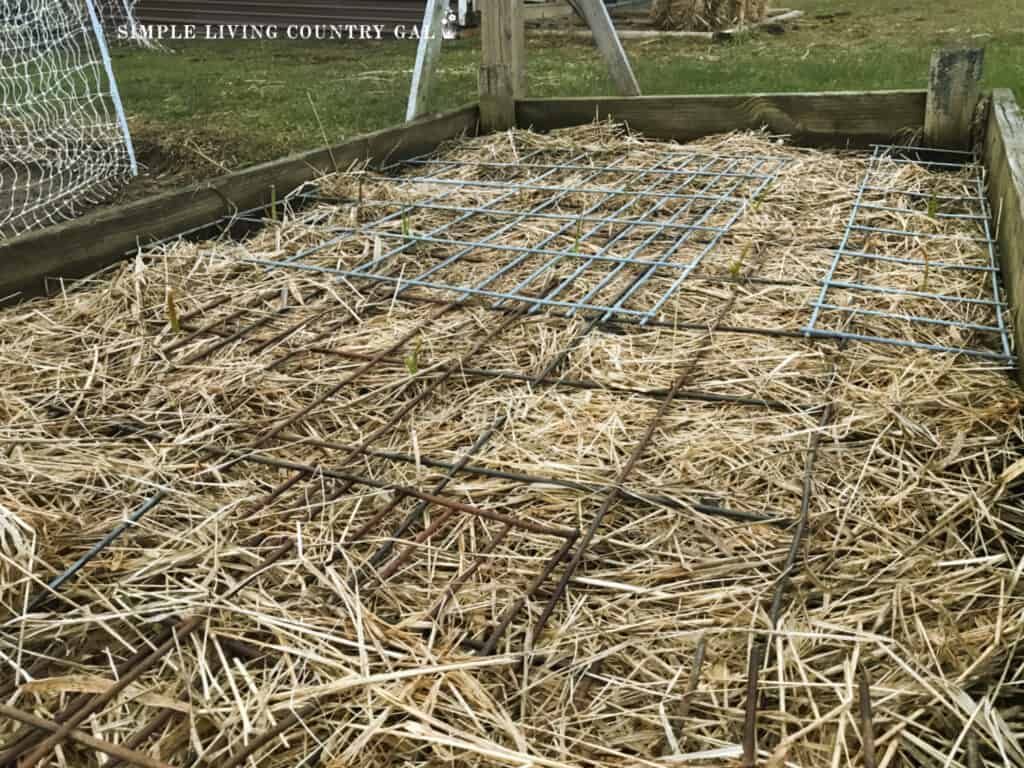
x=80 y=247
x=497 y=106
x=1004 y=158
x=954 y=87
x=645 y=34
x=503 y=40
x=502 y=63
x=427 y=54
x=840 y=119
x=544 y=11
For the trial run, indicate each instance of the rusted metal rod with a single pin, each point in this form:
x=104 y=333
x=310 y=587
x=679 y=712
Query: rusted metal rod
x=166 y=716
x=129 y=672
x=530 y=479
x=678 y=722
x=65 y=729
x=615 y=491
x=334 y=389
x=414 y=515
x=781 y=586
x=456 y=584
x=116 y=751
x=793 y=555
x=867 y=726
x=31 y=736
x=750 y=710
x=407 y=551
x=657 y=394
x=397 y=488
x=512 y=611
x=396 y=417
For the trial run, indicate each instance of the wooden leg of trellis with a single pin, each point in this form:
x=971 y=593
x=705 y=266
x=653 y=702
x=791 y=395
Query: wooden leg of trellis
x=502 y=64
x=427 y=54
x=608 y=43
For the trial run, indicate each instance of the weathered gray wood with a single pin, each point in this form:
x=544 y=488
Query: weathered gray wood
x=596 y=15
x=78 y=248
x=502 y=63
x=661 y=34
x=838 y=119
x=560 y=9
x=645 y=34
x=427 y=54
x=544 y=11
x=778 y=18
x=497 y=105
x=954 y=87
x=1004 y=158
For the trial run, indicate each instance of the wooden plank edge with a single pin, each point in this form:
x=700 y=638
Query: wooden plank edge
x=1004 y=159
x=688 y=34
x=780 y=18
x=560 y=9
x=82 y=246
x=639 y=34
x=853 y=119
x=683 y=34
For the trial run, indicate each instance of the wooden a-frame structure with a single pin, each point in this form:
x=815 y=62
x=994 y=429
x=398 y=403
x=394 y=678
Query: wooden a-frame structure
x=503 y=50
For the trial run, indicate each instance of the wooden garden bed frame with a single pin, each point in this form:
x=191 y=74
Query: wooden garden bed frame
x=944 y=115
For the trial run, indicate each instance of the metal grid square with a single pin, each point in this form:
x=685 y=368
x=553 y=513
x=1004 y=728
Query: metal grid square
x=902 y=252
x=596 y=233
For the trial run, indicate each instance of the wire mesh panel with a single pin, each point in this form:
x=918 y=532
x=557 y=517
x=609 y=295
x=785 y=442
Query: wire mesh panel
x=64 y=142
x=917 y=266
x=601 y=235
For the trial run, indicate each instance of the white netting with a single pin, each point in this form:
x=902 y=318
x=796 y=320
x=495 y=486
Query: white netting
x=63 y=146
x=115 y=13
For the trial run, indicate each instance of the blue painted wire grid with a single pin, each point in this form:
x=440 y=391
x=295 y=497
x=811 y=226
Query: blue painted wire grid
x=617 y=239
x=876 y=288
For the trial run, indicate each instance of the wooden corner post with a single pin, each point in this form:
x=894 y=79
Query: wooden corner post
x=954 y=87
x=502 y=63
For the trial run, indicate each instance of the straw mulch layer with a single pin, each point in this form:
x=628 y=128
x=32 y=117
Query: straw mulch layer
x=904 y=589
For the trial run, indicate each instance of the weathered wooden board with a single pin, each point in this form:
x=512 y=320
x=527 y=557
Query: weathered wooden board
x=954 y=87
x=813 y=119
x=1004 y=158
x=428 y=53
x=550 y=10
x=80 y=247
x=502 y=77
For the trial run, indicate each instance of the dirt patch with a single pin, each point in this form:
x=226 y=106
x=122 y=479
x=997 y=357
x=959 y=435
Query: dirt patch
x=171 y=158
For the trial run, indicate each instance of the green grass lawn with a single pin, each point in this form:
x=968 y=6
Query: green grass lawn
x=210 y=106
